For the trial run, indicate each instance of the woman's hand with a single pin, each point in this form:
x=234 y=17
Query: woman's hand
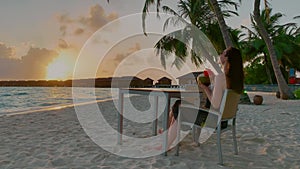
x=201 y=85
x=210 y=74
x=206 y=90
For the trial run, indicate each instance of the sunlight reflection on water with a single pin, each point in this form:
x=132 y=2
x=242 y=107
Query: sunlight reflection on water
x=21 y=99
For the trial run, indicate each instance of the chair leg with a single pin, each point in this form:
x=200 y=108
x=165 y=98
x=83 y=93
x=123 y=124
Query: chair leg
x=234 y=136
x=193 y=132
x=219 y=144
x=196 y=134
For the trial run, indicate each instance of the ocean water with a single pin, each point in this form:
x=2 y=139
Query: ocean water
x=20 y=99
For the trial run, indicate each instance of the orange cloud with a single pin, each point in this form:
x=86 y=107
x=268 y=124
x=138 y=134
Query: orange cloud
x=62 y=44
x=112 y=60
x=6 y=52
x=31 y=66
x=96 y=18
x=78 y=31
x=63 y=30
x=64 y=18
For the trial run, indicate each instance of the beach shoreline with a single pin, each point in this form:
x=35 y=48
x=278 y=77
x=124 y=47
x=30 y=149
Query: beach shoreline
x=268 y=137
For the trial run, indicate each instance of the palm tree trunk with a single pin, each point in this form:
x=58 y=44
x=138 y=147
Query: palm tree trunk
x=284 y=90
x=268 y=68
x=222 y=23
x=226 y=36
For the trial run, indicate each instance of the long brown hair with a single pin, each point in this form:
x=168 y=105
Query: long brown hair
x=234 y=70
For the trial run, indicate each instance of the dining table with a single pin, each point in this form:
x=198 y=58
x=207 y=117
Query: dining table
x=168 y=94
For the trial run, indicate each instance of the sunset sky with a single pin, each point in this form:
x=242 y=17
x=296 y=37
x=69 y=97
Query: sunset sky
x=41 y=39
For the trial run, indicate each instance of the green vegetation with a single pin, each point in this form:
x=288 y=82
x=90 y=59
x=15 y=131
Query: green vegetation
x=286 y=44
x=253 y=70
x=297 y=93
x=269 y=49
x=201 y=16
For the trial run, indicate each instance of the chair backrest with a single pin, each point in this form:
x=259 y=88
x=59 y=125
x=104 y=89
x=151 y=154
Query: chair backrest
x=229 y=104
x=228 y=107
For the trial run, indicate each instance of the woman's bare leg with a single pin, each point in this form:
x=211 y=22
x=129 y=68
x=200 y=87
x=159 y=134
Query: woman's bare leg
x=170 y=122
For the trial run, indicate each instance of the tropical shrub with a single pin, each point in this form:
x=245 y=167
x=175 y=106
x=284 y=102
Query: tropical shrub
x=255 y=73
x=297 y=93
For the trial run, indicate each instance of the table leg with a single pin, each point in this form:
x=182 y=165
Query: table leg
x=154 y=124
x=120 y=117
x=165 y=125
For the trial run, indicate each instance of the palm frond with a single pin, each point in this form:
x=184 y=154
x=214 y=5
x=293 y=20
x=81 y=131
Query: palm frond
x=146 y=7
x=229 y=13
x=250 y=32
x=228 y=3
x=296 y=17
x=172 y=43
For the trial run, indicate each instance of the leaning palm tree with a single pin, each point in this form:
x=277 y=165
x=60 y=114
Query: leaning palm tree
x=211 y=29
x=215 y=7
x=194 y=14
x=287 y=48
x=223 y=26
x=284 y=90
x=284 y=41
x=254 y=51
x=199 y=14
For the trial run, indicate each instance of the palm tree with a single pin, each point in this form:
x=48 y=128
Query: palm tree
x=200 y=15
x=212 y=31
x=287 y=48
x=254 y=51
x=284 y=90
x=283 y=37
x=223 y=26
x=214 y=6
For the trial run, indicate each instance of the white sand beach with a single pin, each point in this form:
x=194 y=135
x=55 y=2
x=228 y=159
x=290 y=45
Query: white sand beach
x=268 y=137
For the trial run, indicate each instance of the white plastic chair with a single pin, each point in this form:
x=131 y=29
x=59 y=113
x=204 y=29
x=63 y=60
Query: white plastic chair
x=228 y=107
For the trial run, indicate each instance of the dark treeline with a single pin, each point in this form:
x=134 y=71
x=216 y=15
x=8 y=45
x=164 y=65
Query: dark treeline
x=98 y=82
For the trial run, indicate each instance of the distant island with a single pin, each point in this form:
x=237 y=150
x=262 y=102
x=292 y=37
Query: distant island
x=126 y=81
x=115 y=82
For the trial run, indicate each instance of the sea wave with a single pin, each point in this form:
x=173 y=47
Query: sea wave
x=47 y=104
x=5 y=95
x=21 y=93
x=23 y=99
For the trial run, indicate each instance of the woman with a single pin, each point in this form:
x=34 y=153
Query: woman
x=233 y=75
x=231 y=78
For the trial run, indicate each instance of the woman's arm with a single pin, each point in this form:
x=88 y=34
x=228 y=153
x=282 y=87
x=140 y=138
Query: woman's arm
x=215 y=96
x=207 y=91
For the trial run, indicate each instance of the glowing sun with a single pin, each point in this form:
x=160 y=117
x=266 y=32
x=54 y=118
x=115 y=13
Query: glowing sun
x=61 y=68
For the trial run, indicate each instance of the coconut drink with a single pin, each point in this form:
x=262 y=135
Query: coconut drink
x=204 y=78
